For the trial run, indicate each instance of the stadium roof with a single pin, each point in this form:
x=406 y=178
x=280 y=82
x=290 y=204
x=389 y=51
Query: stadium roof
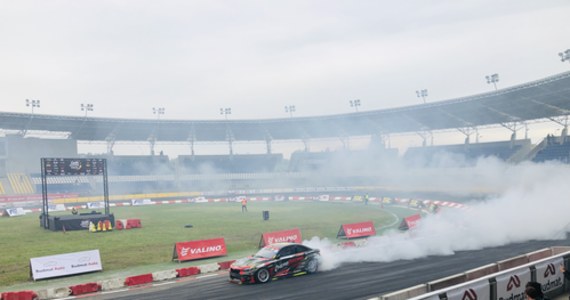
x=545 y=98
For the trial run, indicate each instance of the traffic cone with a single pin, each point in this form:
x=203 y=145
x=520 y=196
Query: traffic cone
x=92 y=227
x=99 y=226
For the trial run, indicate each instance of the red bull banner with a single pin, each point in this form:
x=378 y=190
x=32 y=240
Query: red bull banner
x=356 y=230
x=410 y=222
x=291 y=235
x=199 y=249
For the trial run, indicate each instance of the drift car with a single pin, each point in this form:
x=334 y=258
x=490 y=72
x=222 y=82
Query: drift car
x=274 y=261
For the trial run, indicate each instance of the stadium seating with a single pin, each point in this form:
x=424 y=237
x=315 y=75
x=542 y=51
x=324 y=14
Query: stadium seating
x=237 y=163
x=554 y=149
x=462 y=154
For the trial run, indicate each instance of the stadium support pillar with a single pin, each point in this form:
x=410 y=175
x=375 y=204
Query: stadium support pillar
x=268 y=140
x=152 y=142
x=306 y=143
x=110 y=143
x=230 y=139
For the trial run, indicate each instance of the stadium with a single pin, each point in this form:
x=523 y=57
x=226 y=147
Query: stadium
x=284 y=150
x=294 y=190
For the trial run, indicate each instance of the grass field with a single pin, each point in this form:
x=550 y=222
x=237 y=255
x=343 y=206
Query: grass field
x=22 y=238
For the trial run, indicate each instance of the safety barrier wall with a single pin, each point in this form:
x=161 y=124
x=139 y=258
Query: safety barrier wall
x=438 y=290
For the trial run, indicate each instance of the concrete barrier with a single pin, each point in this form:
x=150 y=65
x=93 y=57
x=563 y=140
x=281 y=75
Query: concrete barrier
x=224 y=265
x=138 y=279
x=209 y=268
x=164 y=275
x=447 y=281
x=407 y=293
x=86 y=288
x=512 y=262
x=112 y=284
x=481 y=271
x=53 y=293
x=539 y=254
x=21 y=295
x=184 y=272
x=559 y=249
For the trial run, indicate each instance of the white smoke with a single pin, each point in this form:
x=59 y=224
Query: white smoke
x=533 y=205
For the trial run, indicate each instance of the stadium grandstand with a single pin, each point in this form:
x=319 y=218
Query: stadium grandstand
x=512 y=108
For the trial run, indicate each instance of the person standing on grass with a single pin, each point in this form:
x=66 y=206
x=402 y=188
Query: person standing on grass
x=243 y=205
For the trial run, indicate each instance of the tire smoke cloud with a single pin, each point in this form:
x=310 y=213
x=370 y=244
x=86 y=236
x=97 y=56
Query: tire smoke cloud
x=530 y=202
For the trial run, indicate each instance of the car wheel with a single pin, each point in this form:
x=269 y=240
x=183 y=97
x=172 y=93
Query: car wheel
x=312 y=266
x=262 y=276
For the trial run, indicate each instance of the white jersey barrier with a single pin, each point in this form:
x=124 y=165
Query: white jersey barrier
x=507 y=283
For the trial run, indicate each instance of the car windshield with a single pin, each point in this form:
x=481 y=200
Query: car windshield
x=266 y=252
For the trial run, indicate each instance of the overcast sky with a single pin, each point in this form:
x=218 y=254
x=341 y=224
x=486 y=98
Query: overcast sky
x=194 y=57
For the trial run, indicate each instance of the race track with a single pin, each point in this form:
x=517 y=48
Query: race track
x=350 y=281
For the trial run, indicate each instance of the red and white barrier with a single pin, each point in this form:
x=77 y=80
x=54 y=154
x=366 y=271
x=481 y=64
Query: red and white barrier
x=138 y=279
x=86 y=288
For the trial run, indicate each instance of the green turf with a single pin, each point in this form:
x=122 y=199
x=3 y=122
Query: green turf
x=22 y=238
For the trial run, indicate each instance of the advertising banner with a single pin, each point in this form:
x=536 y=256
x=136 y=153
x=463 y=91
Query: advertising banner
x=56 y=207
x=136 y=202
x=65 y=264
x=14 y=212
x=512 y=285
x=410 y=222
x=95 y=205
x=291 y=235
x=356 y=230
x=479 y=290
x=199 y=249
x=549 y=276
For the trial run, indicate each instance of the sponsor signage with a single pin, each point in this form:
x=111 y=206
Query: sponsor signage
x=95 y=205
x=56 y=207
x=549 y=276
x=65 y=264
x=14 y=212
x=511 y=285
x=478 y=290
x=410 y=222
x=291 y=235
x=137 y=202
x=199 y=249
x=356 y=230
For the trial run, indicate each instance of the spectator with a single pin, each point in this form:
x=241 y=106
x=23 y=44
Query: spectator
x=565 y=272
x=538 y=288
x=366 y=197
x=531 y=293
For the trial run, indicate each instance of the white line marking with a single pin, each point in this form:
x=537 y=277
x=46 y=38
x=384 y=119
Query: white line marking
x=112 y=292
x=205 y=276
x=164 y=283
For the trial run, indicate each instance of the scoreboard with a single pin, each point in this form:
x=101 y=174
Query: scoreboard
x=73 y=166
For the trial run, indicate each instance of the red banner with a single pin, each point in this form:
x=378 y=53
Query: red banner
x=37 y=197
x=410 y=222
x=199 y=249
x=356 y=230
x=291 y=235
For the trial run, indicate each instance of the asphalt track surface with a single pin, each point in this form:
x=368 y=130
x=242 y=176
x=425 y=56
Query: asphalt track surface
x=350 y=281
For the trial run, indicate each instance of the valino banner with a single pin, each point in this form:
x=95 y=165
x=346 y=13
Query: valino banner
x=356 y=230
x=199 y=249
x=65 y=264
x=291 y=235
x=410 y=222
